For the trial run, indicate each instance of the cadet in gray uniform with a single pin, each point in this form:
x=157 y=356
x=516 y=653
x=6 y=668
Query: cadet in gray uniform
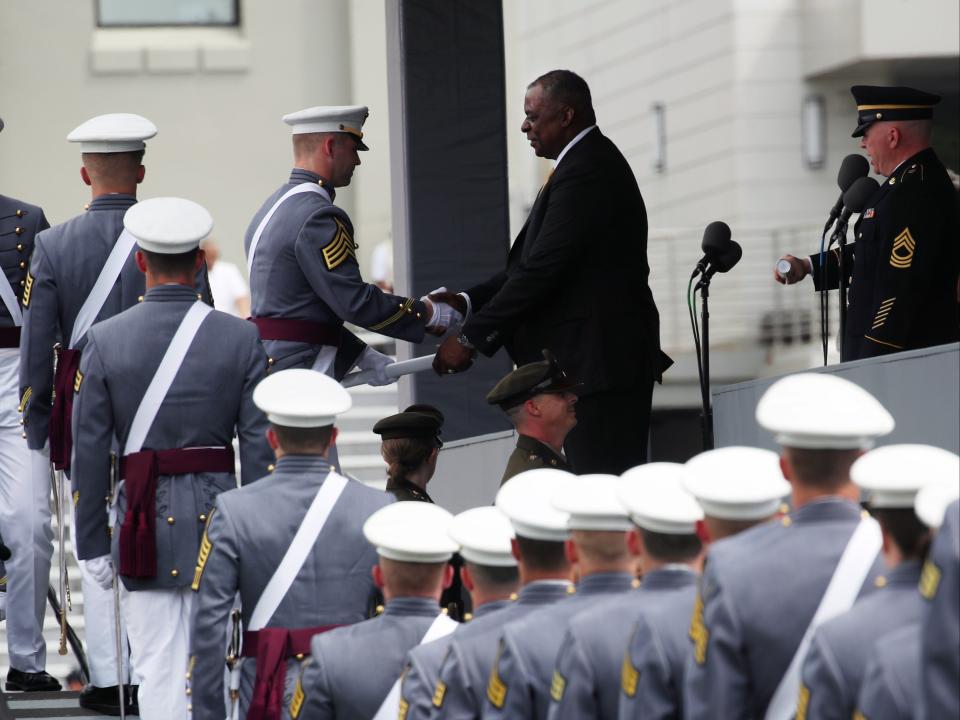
x=833 y=669
x=490 y=576
x=522 y=679
x=25 y=510
x=540 y=401
x=891 y=679
x=540 y=529
x=590 y=666
x=67 y=262
x=737 y=488
x=304 y=278
x=329 y=586
x=744 y=641
x=172 y=380
x=354 y=672
x=940 y=587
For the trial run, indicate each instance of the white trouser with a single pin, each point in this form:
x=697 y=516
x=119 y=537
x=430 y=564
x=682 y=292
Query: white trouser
x=158 y=623
x=25 y=526
x=99 y=616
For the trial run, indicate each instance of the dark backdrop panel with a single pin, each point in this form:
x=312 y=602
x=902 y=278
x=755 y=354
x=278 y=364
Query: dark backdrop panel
x=452 y=79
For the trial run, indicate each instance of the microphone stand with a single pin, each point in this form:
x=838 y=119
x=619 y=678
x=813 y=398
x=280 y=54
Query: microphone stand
x=703 y=285
x=840 y=237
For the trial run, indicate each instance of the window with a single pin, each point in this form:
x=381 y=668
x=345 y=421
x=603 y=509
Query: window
x=150 y=13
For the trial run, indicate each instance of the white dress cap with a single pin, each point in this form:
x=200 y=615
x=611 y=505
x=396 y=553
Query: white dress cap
x=736 y=483
x=654 y=496
x=484 y=534
x=116 y=132
x=819 y=411
x=330 y=118
x=933 y=499
x=168 y=225
x=301 y=398
x=411 y=532
x=526 y=500
x=592 y=504
x=893 y=474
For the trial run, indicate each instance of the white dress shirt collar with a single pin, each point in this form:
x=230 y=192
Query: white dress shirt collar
x=570 y=144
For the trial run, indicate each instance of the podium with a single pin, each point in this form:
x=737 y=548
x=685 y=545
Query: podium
x=920 y=388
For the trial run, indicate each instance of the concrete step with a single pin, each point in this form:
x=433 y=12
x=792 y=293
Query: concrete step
x=50 y=705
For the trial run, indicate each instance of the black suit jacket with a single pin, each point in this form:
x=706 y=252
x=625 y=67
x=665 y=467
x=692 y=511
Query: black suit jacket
x=576 y=277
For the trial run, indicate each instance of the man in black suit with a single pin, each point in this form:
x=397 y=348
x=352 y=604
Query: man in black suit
x=575 y=282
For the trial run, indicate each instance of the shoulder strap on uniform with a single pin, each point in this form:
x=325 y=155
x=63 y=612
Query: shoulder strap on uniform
x=848 y=577
x=101 y=288
x=300 y=547
x=163 y=378
x=390 y=707
x=10 y=301
x=295 y=190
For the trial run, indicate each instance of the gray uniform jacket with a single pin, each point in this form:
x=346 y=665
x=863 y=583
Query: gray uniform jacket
x=521 y=678
x=833 y=668
x=940 y=638
x=891 y=680
x=248 y=535
x=422 y=670
x=66 y=263
x=19 y=224
x=473 y=648
x=351 y=669
x=651 y=680
x=744 y=639
x=587 y=671
x=305 y=268
x=210 y=400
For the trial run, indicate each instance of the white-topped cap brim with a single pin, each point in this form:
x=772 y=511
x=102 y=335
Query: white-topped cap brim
x=892 y=475
x=526 y=500
x=484 y=535
x=411 y=532
x=330 y=118
x=301 y=398
x=736 y=483
x=114 y=132
x=168 y=225
x=820 y=411
x=933 y=500
x=654 y=496
x=592 y=504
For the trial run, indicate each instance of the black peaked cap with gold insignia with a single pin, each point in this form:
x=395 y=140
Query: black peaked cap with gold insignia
x=543 y=376
x=876 y=103
x=417 y=421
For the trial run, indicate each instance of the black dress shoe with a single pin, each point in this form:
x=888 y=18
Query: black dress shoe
x=105 y=700
x=31 y=681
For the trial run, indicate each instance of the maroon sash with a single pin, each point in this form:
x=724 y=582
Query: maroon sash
x=10 y=337
x=272 y=647
x=140 y=470
x=60 y=433
x=305 y=331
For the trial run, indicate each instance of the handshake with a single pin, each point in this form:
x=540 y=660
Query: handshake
x=447 y=310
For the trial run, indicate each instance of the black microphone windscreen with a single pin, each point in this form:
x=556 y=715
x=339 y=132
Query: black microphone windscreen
x=852 y=169
x=730 y=257
x=716 y=237
x=856 y=199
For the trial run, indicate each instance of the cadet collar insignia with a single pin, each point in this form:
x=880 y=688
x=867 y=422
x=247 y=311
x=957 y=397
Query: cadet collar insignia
x=77 y=382
x=27 y=288
x=929 y=580
x=629 y=676
x=867 y=214
x=340 y=248
x=803 y=702
x=438 y=694
x=698 y=631
x=557 y=686
x=496 y=689
x=901 y=256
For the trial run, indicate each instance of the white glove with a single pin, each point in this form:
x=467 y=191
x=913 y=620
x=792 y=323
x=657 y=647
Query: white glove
x=370 y=359
x=101 y=570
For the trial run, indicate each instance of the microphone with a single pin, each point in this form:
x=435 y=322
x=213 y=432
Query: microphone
x=716 y=241
x=856 y=199
x=852 y=169
x=725 y=261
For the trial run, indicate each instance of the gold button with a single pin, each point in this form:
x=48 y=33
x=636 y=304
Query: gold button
x=299 y=656
x=532 y=457
x=188 y=676
x=19 y=247
x=270 y=361
x=23 y=435
x=553 y=462
x=86 y=206
x=190 y=708
x=22 y=283
x=379 y=610
x=189 y=691
x=170 y=520
x=140 y=298
x=19 y=213
x=203 y=517
x=571 y=590
x=784 y=508
x=786 y=521
x=418 y=316
x=18 y=231
x=513 y=596
x=879 y=115
x=271 y=467
x=21 y=421
x=174 y=572
x=23 y=265
x=880 y=582
x=199 y=296
x=635 y=583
